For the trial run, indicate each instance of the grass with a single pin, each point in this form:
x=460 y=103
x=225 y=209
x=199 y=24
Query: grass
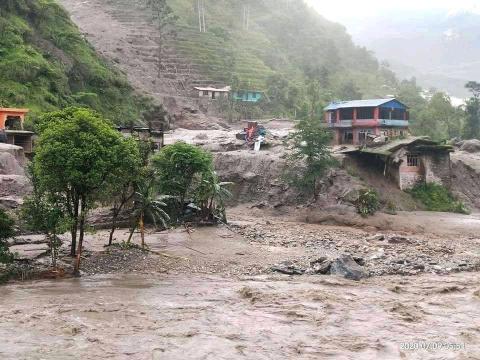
x=438 y=198
x=45 y=64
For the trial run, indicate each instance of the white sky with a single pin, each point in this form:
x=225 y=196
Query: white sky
x=343 y=10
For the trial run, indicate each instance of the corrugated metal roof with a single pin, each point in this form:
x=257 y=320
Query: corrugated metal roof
x=357 y=103
x=390 y=147
x=225 y=89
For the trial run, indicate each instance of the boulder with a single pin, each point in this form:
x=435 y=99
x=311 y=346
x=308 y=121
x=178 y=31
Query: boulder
x=346 y=266
x=471 y=146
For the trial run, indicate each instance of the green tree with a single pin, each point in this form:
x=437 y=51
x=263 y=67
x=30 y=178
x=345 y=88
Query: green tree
x=44 y=212
x=76 y=159
x=6 y=231
x=310 y=155
x=148 y=204
x=179 y=168
x=211 y=195
x=120 y=193
x=472 y=112
x=439 y=119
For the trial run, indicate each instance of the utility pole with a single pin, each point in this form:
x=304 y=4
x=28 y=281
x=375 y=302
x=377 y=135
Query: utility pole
x=246 y=17
x=201 y=16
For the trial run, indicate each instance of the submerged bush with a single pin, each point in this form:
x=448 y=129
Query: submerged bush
x=367 y=202
x=438 y=198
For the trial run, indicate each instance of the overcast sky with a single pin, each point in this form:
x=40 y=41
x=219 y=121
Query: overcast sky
x=348 y=10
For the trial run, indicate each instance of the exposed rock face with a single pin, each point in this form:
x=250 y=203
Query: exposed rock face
x=471 y=146
x=13 y=182
x=11 y=160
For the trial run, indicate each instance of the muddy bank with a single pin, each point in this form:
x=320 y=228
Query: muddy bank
x=207 y=317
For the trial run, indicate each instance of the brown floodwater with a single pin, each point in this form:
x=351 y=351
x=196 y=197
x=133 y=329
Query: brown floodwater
x=268 y=317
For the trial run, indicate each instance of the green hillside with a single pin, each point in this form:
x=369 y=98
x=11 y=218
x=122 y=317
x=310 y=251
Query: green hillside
x=286 y=43
x=45 y=64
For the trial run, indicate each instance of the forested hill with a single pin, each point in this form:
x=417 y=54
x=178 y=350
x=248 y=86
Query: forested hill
x=45 y=64
x=253 y=41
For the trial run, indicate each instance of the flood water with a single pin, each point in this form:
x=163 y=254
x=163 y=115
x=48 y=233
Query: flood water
x=206 y=317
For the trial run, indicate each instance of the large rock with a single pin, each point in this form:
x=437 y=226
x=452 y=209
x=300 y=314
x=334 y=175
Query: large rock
x=471 y=146
x=12 y=159
x=346 y=266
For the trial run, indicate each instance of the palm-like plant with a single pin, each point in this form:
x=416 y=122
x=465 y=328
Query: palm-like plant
x=212 y=194
x=147 y=203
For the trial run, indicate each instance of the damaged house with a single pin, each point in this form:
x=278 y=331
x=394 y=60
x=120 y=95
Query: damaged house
x=408 y=161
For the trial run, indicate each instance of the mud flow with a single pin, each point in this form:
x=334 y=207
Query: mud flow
x=264 y=317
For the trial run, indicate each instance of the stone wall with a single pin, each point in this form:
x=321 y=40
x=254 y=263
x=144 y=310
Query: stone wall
x=438 y=168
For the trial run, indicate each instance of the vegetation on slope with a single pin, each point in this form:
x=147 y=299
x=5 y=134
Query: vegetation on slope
x=287 y=45
x=438 y=198
x=45 y=64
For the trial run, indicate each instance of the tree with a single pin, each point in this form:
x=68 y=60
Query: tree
x=472 y=112
x=179 y=168
x=310 y=156
x=120 y=192
x=211 y=196
x=439 y=119
x=164 y=18
x=6 y=231
x=46 y=215
x=148 y=204
x=77 y=157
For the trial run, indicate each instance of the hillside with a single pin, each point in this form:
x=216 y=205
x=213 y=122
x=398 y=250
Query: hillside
x=284 y=45
x=45 y=64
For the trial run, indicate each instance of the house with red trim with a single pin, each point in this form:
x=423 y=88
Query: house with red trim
x=354 y=122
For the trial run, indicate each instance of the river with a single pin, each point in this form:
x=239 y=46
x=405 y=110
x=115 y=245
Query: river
x=266 y=317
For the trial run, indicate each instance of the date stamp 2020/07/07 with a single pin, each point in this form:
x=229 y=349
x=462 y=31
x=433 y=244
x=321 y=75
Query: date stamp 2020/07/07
x=432 y=345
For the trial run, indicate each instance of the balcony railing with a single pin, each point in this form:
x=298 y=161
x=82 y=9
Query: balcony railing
x=388 y=122
x=342 y=123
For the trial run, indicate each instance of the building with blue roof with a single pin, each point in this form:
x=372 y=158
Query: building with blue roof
x=353 y=121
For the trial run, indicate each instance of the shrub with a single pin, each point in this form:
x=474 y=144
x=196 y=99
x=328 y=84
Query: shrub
x=6 y=231
x=367 y=202
x=438 y=198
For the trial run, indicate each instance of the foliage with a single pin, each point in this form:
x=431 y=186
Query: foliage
x=179 y=167
x=148 y=204
x=6 y=231
x=310 y=156
x=45 y=64
x=472 y=110
x=211 y=195
x=77 y=156
x=367 y=202
x=437 y=198
x=285 y=41
x=438 y=119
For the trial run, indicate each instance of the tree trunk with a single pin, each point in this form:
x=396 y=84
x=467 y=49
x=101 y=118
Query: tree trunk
x=74 y=226
x=80 y=239
x=142 y=230
x=134 y=226
x=114 y=225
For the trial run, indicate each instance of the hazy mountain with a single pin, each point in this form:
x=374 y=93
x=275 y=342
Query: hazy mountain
x=441 y=49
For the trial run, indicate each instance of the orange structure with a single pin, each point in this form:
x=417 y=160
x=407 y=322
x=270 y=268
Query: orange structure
x=11 y=129
x=12 y=119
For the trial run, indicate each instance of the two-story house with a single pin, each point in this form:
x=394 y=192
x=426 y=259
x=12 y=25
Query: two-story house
x=352 y=121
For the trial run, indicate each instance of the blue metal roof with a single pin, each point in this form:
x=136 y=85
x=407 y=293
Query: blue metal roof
x=360 y=103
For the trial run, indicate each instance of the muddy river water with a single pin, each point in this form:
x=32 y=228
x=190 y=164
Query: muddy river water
x=266 y=317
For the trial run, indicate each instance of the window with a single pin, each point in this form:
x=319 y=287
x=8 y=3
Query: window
x=413 y=160
x=346 y=114
x=398 y=114
x=205 y=93
x=365 y=113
